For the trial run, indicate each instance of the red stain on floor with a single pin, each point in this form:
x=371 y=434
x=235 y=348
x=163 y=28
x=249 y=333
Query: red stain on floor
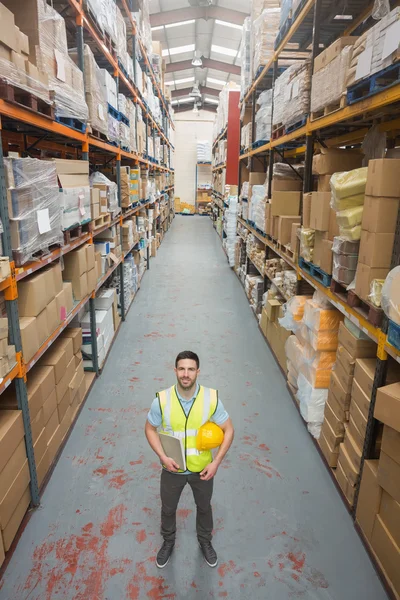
x=81 y=560
x=248 y=383
x=264 y=447
x=137 y=462
x=143 y=585
x=193 y=585
x=256 y=574
x=141 y=536
x=261 y=466
x=228 y=568
x=223 y=594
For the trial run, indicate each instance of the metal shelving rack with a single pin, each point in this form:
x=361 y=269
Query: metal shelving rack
x=41 y=132
x=311 y=24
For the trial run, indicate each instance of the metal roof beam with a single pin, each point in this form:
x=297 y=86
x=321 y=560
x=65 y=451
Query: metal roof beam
x=197 y=12
x=203 y=90
x=208 y=63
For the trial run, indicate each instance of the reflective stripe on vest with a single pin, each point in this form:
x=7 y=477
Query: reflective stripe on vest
x=175 y=422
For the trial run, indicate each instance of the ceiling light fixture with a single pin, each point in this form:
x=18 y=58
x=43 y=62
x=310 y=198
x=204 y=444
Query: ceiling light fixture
x=197 y=62
x=195 y=93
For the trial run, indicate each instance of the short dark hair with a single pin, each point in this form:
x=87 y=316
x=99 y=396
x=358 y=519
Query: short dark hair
x=187 y=354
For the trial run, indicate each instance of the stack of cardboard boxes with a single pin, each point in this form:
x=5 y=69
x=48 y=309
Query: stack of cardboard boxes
x=378 y=507
x=283 y=212
x=56 y=387
x=378 y=223
x=337 y=409
x=7 y=351
x=44 y=301
x=73 y=178
x=80 y=270
x=106 y=322
x=275 y=334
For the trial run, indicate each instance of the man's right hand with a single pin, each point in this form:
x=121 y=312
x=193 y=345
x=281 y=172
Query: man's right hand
x=170 y=464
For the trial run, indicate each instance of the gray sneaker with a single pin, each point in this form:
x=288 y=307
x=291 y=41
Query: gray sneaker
x=210 y=556
x=164 y=554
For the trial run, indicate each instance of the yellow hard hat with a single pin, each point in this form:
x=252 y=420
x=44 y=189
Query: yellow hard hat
x=209 y=436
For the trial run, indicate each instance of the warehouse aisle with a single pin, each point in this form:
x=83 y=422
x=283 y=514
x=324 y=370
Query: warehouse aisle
x=281 y=529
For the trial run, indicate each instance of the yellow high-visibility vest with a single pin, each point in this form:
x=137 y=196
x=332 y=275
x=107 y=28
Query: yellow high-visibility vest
x=176 y=423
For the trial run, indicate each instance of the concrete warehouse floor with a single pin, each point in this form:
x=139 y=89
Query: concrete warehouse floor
x=281 y=529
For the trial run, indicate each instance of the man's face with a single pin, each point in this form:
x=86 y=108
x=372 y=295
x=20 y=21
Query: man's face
x=186 y=373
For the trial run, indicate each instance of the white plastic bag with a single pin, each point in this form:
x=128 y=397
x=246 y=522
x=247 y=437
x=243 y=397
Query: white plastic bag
x=381 y=9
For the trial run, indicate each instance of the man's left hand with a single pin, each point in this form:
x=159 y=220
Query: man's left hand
x=209 y=472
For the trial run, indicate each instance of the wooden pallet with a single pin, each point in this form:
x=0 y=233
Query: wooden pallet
x=377 y=82
x=371 y=313
x=16 y=95
x=278 y=131
x=315 y=272
x=75 y=232
x=99 y=135
x=101 y=221
x=329 y=109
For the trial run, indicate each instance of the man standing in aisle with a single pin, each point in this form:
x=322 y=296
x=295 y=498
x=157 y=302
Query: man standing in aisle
x=181 y=410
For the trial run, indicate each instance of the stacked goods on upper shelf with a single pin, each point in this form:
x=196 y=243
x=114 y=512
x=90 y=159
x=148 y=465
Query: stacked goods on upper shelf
x=353 y=346
x=95 y=100
x=245 y=55
x=264 y=30
x=378 y=226
x=317 y=341
x=124 y=110
x=263 y=116
x=106 y=192
x=48 y=50
x=130 y=186
x=269 y=323
x=15 y=67
x=256 y=252
x=33 y=205
x=81 y=270
x=108 y=87
x=283 y=212
x=221 y=118
x=282 y=276
x=73 y=178
x=257 y=201
x=292 y=95
x=203 y=151
x=376 y=49
x=246 y=136
x=330 y=75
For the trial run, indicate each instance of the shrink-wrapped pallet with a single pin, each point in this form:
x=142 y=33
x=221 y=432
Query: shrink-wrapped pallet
x=264 y=31
x=34 y=206
x=329 y=83
x=292 y=94
x=245 y=57
x=263 y=116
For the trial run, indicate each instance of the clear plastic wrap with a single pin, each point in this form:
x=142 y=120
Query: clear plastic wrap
x=318 y=377
x=245 y=55
x=347 y=185
x=329 y=83
x=120 y=26
x=36 y=83
x=344 y=246
x=292 y=94
x=375 y=295
x=264 y=31
x=294 y=350
x=380 y=9
x=263 y=119
x=112 y=128
x=351 y=233
x=390 y=295
x=319 y=299
x=105 y=13
x=307 y=240
x=323 y=340
x=286 y=6
x=350 y=216
x=108 y=187
x=34 y=206
x=293 y=312
x=312 y=401
x=94 y=95
x=286 y=171
x=345 y=261
x=320 y=319
x=65 y=78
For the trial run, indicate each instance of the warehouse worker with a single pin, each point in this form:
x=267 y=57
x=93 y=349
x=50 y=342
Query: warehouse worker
x=199 y=405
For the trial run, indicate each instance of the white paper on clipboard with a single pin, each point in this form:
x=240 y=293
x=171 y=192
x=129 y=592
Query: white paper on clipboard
x=43 y=220
x=60 y=65
x=364 y=64
x=392 y=40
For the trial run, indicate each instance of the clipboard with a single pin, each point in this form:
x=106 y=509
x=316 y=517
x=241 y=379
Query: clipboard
x=173 y=448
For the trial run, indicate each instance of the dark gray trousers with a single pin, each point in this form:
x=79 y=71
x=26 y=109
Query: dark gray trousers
x=171 y=489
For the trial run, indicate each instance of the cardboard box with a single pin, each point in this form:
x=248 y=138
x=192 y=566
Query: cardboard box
x=324 y=183
x=49 y=407
x=330 y=53
x=330 y=160
x=8 y=31
x=346 y=486
x=13 y=494
x=52 y=316
x=380 y=214
x=42 y=469
x=264 y=321
x=275 y=227
x=347 y=361
x=326 y=256
x=320 y=210
x=80 y=286
x=349 y=468
x=387 y=551
x=376 y=249
x=389 y=512
x=286 y=185
x=75 y=264
x=319 y=237
x=90 y=256
x=293 y=237
x=360 y=398
x=331 y=454
x=12 y=468
x=58 y=356
x=11 y=434
x=354 y=432
x=91 y=280
x=42 y=327
x=342 y=396
x=369 y=498
x=75 y=333
x=341 y=412
x=357 y=348
x=64 y=404
x=64 y=382
x=52 y=425
x=37 y=424
x=333 y=230
x=389 y=475
x=364 y=374
x=68 y=296
x=359 y=419
x=33 y=295
x=40 y=446
x=354 y=452
x=13 y=524
x=391 y=443
x=272 y=309
x=345 y=377
x=285 y=204
x=387 y=407
x=257 y=178
x=383 y=178
x=29 y=337
x=285 y=228
x=335 y=423
x=333 y=439
x=306 y=212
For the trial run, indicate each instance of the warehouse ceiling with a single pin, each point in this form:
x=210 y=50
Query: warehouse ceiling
x=210 y=29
